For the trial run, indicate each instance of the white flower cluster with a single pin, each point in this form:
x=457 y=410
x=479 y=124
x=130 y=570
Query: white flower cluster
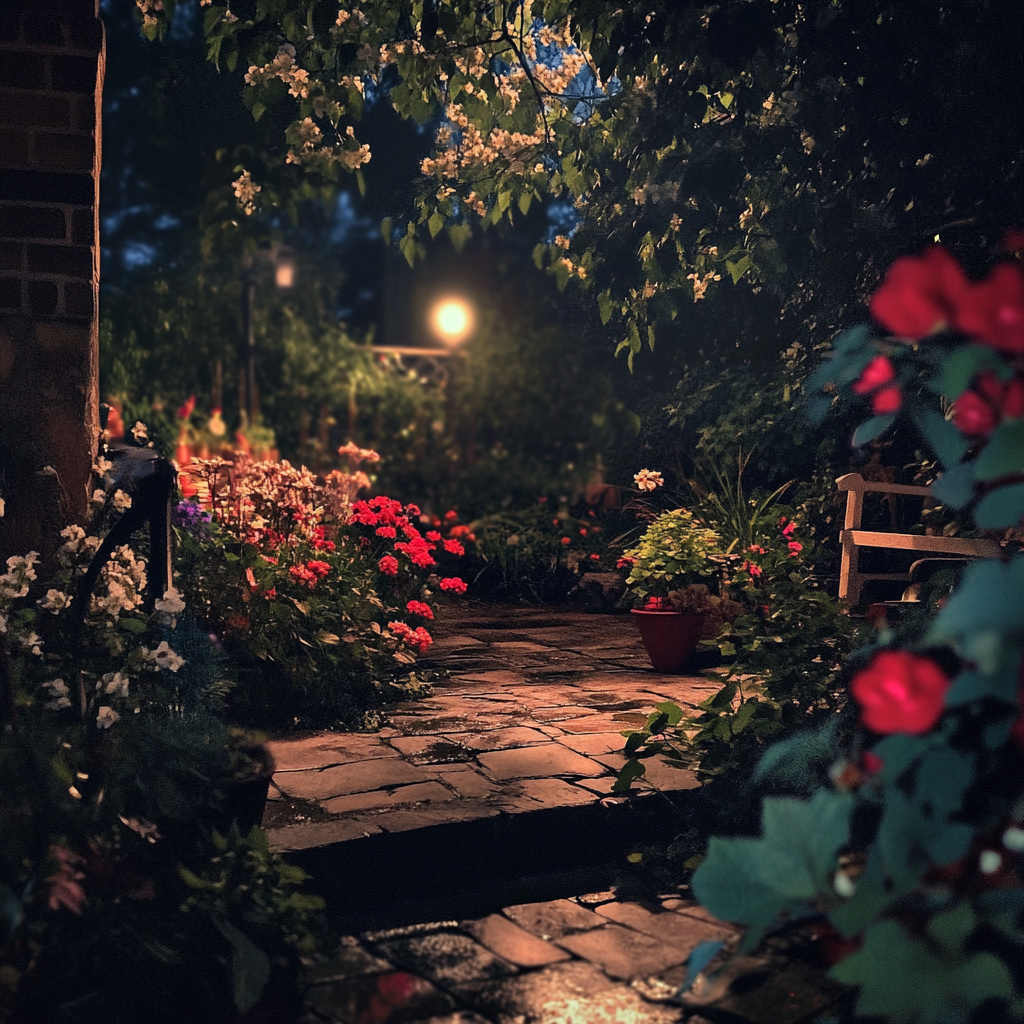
x=77 y=546
x=700 y=285
x=147 y=7
x=163 y=657
x=120 y=586
x=246 y=191
x=20 y=573
x=55 y=601
x=170 y=606
x=57 y=691
x=283 y=67
x=648 y=479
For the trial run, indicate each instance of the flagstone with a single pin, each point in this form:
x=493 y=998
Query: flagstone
x=469 y=783
x=421 y=792
x=674 y=929
x=498 y=739
x=553 y=918
x=593 y=742
x=541 y=761
x=622 y=952
x=513 y=943
x=360 y=777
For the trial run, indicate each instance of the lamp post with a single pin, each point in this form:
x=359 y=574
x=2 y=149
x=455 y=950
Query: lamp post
x=283 y=261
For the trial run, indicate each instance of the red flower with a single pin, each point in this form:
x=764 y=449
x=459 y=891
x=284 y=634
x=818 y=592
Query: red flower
x=453 y=547
x=413 y=510
x=583 y=531
x=625 y=562
x=795 y=547
x=451 y=514
x=900 y=692
x=460 y=531
x=876 y=379
x=979 y=411
x=419 y=608
x=433 y=535
x=920 y=294
x=887 y=400
x=388 y=565
x=567 y=540
x=872 y=762
x=993 y=310
x=386 y=531
x=543 y=499
x=454 y=584
x=186 y=410
x=878 y=372
x=595 y=558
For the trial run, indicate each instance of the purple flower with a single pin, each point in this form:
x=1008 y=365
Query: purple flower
x=190 y=517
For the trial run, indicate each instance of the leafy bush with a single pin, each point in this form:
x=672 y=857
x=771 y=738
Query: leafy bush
x=309 y=589
x=911 y=859
x=117 y=770
x=675 y=549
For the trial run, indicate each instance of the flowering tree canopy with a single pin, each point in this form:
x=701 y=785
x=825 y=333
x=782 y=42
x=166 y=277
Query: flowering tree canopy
x=757 y=143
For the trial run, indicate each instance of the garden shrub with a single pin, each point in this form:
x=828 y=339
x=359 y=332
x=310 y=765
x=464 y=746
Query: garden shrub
x=318 y=597
x=119 y=899
x=909 y=859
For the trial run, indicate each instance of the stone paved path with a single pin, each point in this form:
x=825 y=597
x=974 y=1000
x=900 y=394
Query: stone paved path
x=530 y=718
x=530 y=721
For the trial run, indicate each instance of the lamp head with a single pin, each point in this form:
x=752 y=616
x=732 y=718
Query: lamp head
x=453 y=321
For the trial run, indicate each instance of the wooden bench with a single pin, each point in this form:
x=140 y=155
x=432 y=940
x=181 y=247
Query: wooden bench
x=853 y=538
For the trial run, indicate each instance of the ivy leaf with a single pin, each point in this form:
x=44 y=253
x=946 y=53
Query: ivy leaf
x=942 y=437
x=751 y=881
x=1001 y=508
x=1004 y=452
x=943 y=987
x=955 y=487
x=872 y=428
x=250 y=967
x=628 y=774
x=972 y=686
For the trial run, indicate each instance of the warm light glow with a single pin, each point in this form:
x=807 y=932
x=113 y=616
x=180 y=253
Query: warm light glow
x=452 y=320
x=284 y=275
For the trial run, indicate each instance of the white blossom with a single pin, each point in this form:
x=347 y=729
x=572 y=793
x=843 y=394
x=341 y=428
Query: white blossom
x=139 y=431
x=171 y=603
x=99 y=496
x=648 y=479
x=164 y=657
x=122 y=500
x=58 y=691
x=114 y=684
x=106 y=717
x=55 y=601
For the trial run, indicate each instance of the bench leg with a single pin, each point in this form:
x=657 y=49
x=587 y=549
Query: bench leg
x=849 y=577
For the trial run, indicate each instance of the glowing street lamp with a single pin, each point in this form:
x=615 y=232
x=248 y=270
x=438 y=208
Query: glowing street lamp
x=453 y=321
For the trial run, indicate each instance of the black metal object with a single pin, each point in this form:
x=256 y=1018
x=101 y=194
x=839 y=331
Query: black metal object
x=148 y=479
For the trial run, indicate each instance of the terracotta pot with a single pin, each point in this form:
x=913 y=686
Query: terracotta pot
x=670 y=638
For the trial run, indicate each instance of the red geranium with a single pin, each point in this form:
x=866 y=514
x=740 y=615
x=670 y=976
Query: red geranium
x=992 y=311
x=980 y=410
x=876 y=380
x=920 y=294
x=454 y=584
x=388 y=565
x=419 y=608
x=900 y=692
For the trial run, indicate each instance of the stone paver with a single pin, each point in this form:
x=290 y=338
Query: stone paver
x=529 y=718
x=588 y=960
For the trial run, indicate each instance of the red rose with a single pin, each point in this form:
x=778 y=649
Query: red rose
x=980 y=410
x=900 y=692
x=993 y=310
x=877 y=373
x=920 y=294
x=887 y=400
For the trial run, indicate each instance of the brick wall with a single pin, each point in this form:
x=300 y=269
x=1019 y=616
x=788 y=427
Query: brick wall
x=51 y=75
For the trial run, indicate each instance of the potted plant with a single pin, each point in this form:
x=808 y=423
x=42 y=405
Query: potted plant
x=675 y=552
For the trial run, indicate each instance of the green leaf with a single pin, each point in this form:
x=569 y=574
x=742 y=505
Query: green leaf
x=385 y=230
x=960 y=368
x=672 y=711
x=738 y=269
x=258 y=110
x=1004 y=453
x=872 y=428
x=1001 y=508
x=942 y=437
x=952 y=928
x=132 y=625
x=605 y=306
x=628 y=774
x=972 y=686
x=539 y=251
x=989 y=598
x=460 y=234
x=250 y=967
x=943 y=989
x=955 y=487
x=942 y=780
x=751 y=881
x=435 y=223
x=743 y=716
x=524 y=203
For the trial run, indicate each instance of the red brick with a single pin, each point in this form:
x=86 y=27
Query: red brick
x=31 y=222
x=64 y=152
x=20 y=70
x=72 y=260
x=10 y=255
x=73 y=74
x=85 y=113
x=83 y=227
x=78 y=299
x=85 y=33
x=10 y=293
x=13 y=149
x=34 y=109
x=42 y=297
x=43 y=30
x=10 y=27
